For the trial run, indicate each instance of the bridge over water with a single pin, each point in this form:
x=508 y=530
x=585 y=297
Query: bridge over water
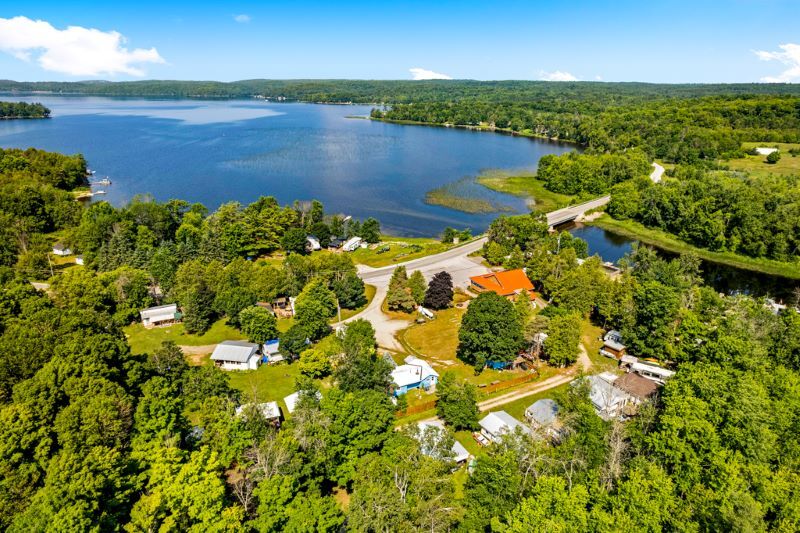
x=568 y=214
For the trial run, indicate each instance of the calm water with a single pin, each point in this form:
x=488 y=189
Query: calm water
x=217 y=151
x=223 y=150
x=725 y=279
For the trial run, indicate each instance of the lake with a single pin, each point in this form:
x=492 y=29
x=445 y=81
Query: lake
x=216 y=151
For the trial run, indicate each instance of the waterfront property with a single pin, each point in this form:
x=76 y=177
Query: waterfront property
x=162 y=315
x=236 y=355
x=414 y=374
x=508 y=283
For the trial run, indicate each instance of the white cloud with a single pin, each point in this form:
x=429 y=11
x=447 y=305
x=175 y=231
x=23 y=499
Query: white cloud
x=556 y=75
x=242 y=19
x=76 y=50
x=790 y=56
x=423 y=74
x=598 y=78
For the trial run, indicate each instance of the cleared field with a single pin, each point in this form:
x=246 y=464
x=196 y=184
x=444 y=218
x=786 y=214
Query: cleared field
x=757 y=164
x=143 y=340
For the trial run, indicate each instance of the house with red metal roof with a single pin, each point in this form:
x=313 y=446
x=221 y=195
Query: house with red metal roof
x=508 y=283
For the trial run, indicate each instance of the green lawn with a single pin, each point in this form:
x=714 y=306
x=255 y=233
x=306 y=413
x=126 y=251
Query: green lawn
x=472 y=446
x=592 y=340
x=268 y=383
x=757 y=164
x=517 y=408
x=436 y=341
x=524 y=185
x=144 y=340
x=671 y=243
x=393 y=250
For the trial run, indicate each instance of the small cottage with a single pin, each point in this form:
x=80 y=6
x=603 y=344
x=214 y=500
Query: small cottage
x=162 y=315
x=270 y=411
x=509 y=283
x=658 y=374
x=236 y=355
x=499 y=423
x=271 y=352
x=352 y=244
x=612 y=345
x=415 y=374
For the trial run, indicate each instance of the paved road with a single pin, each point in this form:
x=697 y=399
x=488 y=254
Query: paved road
x=454 y=261
x=572 y=212
x=658 y=171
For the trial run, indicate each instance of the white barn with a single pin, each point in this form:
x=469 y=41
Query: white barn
x=160 y=315
x=61 y=249
x=236 y=355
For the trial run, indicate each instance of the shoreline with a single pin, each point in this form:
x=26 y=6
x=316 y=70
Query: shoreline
x=489 y=129
x=671 y=243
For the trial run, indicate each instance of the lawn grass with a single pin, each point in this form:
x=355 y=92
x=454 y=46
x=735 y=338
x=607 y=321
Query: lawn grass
x=436 y=341
x=517 y=407
x=592 y=340
x=524 y=185
x=400 y=249
x=757 y=164
x=671 y=243
x=143 y=340
x=268 y=383
x=369 y=290
x=472 y=446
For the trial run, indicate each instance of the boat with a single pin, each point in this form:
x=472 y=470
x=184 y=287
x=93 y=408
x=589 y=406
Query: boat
x=104 y=181
x=99 y=192
x=89 y=172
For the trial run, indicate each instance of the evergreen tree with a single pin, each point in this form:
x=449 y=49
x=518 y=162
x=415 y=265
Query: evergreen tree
x=350 y=291
x=398 y=296
x=417 y=285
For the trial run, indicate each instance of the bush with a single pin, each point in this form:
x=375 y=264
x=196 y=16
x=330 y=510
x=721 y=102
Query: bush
x=773 y=157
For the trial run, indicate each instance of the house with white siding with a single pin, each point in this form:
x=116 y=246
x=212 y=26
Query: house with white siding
x=236 y=355
x=162 y=315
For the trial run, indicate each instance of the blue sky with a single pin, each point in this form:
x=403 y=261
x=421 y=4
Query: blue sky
x=655 y=41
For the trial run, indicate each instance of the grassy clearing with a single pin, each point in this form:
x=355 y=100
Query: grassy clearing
x=670 y=243
x=517 y=407
x=397 y=249
x=757 y=164
x=592 y=340
x=526 y=186
x=472 y=446
x=436 y=341
x=268 y=383
x=143 y=340
x=450 y=195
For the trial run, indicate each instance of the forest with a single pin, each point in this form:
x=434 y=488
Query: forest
x=95 y=437
x=10 y=110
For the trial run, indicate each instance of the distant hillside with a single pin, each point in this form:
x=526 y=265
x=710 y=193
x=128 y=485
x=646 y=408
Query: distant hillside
x=395 y=91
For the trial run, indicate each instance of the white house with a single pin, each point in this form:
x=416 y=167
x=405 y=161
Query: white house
x=271 y=411
x=499 y=423
x=61 y=249
x=608 y=401
x=291 y=400
x=415 y=374
x=765 y=150
x=652 y=372
x=437 y=429
x=312 y=243
x=352 y=244
x=236 y=355
x=159 y=316
x=79 y=260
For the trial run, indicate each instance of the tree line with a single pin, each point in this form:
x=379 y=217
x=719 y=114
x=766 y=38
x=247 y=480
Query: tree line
x=10 y=110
